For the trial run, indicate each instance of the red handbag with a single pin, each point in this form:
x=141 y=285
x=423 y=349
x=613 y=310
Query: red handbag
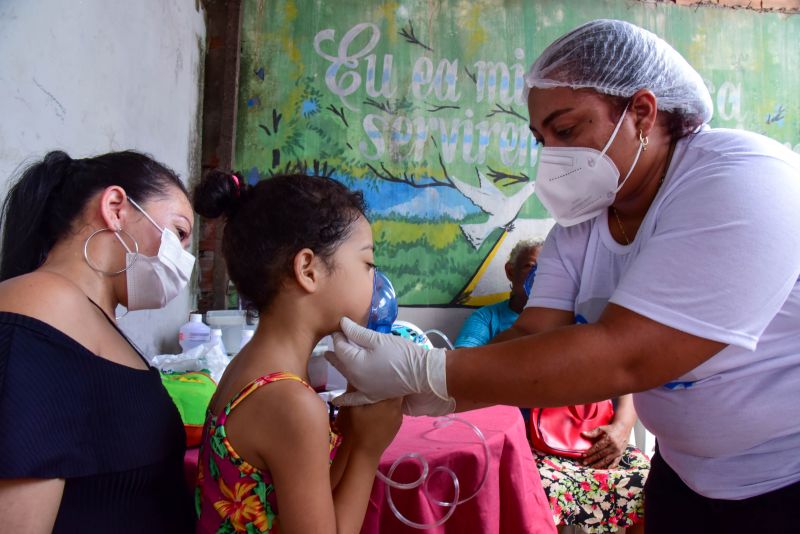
x=558 y=430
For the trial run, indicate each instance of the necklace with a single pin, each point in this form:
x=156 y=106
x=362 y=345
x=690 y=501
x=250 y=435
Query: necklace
x=622 y=228
x=660 y=181
x=619 y=221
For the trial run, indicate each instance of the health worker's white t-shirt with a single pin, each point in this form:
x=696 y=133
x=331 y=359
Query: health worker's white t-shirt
x=717 y=256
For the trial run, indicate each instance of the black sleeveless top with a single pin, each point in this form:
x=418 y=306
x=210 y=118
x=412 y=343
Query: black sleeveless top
x=111 y=431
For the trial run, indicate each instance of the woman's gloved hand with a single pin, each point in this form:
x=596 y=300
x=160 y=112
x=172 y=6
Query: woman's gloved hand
x=428 y=404
x=383 y=366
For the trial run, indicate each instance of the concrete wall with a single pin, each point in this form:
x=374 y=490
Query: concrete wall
x=100 y=75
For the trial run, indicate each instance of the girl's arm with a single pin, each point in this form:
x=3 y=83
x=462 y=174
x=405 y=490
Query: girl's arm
x=340 y=460
x=296 y=450
x=29 y=505
x=368 y=430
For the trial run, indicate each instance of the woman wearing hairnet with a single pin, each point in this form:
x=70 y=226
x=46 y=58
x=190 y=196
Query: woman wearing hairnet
x=680 y=246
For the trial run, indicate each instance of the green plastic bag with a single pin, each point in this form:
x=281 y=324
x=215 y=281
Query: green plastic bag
x=191 y=391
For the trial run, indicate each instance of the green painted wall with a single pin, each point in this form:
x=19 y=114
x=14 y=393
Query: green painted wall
x=398 y=99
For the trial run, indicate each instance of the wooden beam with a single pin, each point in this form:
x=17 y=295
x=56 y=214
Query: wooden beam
x=220 y=95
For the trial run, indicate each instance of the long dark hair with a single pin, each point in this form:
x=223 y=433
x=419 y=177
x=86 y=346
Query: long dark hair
x=46 y=200
x=269 y=223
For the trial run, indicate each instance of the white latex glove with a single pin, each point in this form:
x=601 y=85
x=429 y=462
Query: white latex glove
x=428 y=404
x=383 y=366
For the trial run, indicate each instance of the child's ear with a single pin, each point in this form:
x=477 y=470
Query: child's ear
x=306 y=268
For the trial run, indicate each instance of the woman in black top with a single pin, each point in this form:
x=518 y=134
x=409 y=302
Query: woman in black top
x=89 y=439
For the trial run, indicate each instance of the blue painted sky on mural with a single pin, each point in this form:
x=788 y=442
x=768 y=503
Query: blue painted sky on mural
x=429 y=203
x=404 y=201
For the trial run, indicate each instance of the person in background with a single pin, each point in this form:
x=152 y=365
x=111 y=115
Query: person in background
x=299 y=248
x=90 y=439
x=612 y=472
x=604 y=491
x=653 y=210
x=486 y=322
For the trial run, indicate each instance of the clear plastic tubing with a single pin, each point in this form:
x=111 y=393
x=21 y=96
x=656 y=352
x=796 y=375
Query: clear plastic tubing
x=425 y=476
x=441 y=335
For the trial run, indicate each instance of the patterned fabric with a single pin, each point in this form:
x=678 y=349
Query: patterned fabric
x=230 y=494
x=597 y=500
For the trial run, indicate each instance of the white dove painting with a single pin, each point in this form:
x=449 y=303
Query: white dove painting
x=502 y=209
x=489 y=283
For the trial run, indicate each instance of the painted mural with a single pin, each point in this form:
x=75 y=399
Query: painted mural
x=420 y=105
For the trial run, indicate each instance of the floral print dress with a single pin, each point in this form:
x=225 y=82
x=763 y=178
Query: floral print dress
x=230 y=494
x=597 y=500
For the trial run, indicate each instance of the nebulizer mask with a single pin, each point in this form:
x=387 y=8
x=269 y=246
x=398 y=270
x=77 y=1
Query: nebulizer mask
x=383 y=308
x=382 y=317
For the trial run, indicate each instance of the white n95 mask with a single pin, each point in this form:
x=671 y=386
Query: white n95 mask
x=153 y=281
x=577 y=184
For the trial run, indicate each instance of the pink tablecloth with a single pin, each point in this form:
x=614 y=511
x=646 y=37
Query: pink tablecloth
x=511 y=501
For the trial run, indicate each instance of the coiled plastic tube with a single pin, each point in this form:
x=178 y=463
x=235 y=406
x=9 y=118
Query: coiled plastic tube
x=441 y=335
x=425 y=476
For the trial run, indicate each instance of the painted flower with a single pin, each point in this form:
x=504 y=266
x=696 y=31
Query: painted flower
x=241 y=506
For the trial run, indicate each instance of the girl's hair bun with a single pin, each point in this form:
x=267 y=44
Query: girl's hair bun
x=219 y=193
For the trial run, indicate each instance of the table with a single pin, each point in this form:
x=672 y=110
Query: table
x=511 y=501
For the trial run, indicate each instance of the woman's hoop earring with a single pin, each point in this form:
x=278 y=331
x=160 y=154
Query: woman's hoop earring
x=643 y=140
x=110 y=273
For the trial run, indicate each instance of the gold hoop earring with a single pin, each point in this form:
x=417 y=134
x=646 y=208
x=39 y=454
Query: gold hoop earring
x=110 y=273
x=643 y=141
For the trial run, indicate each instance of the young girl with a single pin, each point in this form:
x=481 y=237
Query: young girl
x=299 y=248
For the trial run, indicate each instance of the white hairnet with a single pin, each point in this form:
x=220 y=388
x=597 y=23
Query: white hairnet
x=618 y=58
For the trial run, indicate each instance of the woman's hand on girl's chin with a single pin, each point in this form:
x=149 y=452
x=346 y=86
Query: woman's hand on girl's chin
x=373 y=427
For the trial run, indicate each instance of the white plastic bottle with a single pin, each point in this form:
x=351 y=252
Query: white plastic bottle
x=216 y=339
x=247 y=335
x=193 y=333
